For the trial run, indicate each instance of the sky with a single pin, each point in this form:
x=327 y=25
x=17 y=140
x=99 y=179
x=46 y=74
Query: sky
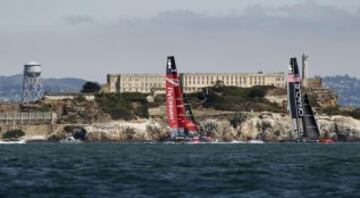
x=91 y=38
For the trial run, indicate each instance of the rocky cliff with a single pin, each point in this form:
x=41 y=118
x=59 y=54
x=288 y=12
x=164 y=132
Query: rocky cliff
x=266 y=126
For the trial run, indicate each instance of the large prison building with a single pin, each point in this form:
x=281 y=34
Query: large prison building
x=192 y=82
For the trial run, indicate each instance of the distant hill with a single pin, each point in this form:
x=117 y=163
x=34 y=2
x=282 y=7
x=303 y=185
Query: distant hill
x=346 y=87
x=11 y=86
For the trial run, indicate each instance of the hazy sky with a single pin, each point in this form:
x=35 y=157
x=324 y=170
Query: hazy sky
x=90 y=38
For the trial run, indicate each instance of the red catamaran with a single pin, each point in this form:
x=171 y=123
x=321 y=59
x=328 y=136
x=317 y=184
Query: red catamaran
x=180 y=119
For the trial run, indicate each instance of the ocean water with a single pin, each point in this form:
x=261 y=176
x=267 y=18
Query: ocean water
x=165 y=170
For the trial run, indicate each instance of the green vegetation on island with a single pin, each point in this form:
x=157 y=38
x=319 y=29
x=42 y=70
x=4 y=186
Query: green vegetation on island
x=231 y=98
x=125 y=106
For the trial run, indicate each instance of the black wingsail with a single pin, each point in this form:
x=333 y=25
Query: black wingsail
x=295 y=97
x=188 y=112
x=310 y=127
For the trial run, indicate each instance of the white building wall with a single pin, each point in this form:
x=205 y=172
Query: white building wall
x=192 y=82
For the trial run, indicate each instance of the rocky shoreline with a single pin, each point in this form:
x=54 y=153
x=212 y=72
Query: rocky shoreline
x=271 y=127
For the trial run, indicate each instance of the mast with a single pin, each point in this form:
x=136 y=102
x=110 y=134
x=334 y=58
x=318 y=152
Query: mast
x=311 y=129
x=295 y=97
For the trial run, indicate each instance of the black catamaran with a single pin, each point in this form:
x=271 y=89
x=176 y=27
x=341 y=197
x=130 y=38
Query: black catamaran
x=295 y=97
x=303 y=120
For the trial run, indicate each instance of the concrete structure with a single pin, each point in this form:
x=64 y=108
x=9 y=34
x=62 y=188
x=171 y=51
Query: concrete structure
x=192 y=82
x=305 y=66
x=305 y=71
x=144 y=83
x=24 y=118
x=67 y=96
x=307 y=82
x=32 y=88
x=314 y=83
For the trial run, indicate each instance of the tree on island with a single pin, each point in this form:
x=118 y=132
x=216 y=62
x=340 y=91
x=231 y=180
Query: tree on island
x=91 y=87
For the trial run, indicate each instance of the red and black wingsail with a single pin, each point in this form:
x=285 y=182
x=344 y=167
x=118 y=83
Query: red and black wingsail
x=176 y=109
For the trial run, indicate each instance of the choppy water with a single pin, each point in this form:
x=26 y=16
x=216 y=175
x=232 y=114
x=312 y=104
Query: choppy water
x=158 y=170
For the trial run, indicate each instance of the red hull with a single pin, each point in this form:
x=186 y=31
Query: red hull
x=327 y=141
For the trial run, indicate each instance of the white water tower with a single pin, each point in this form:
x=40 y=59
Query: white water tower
x=32 y=87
